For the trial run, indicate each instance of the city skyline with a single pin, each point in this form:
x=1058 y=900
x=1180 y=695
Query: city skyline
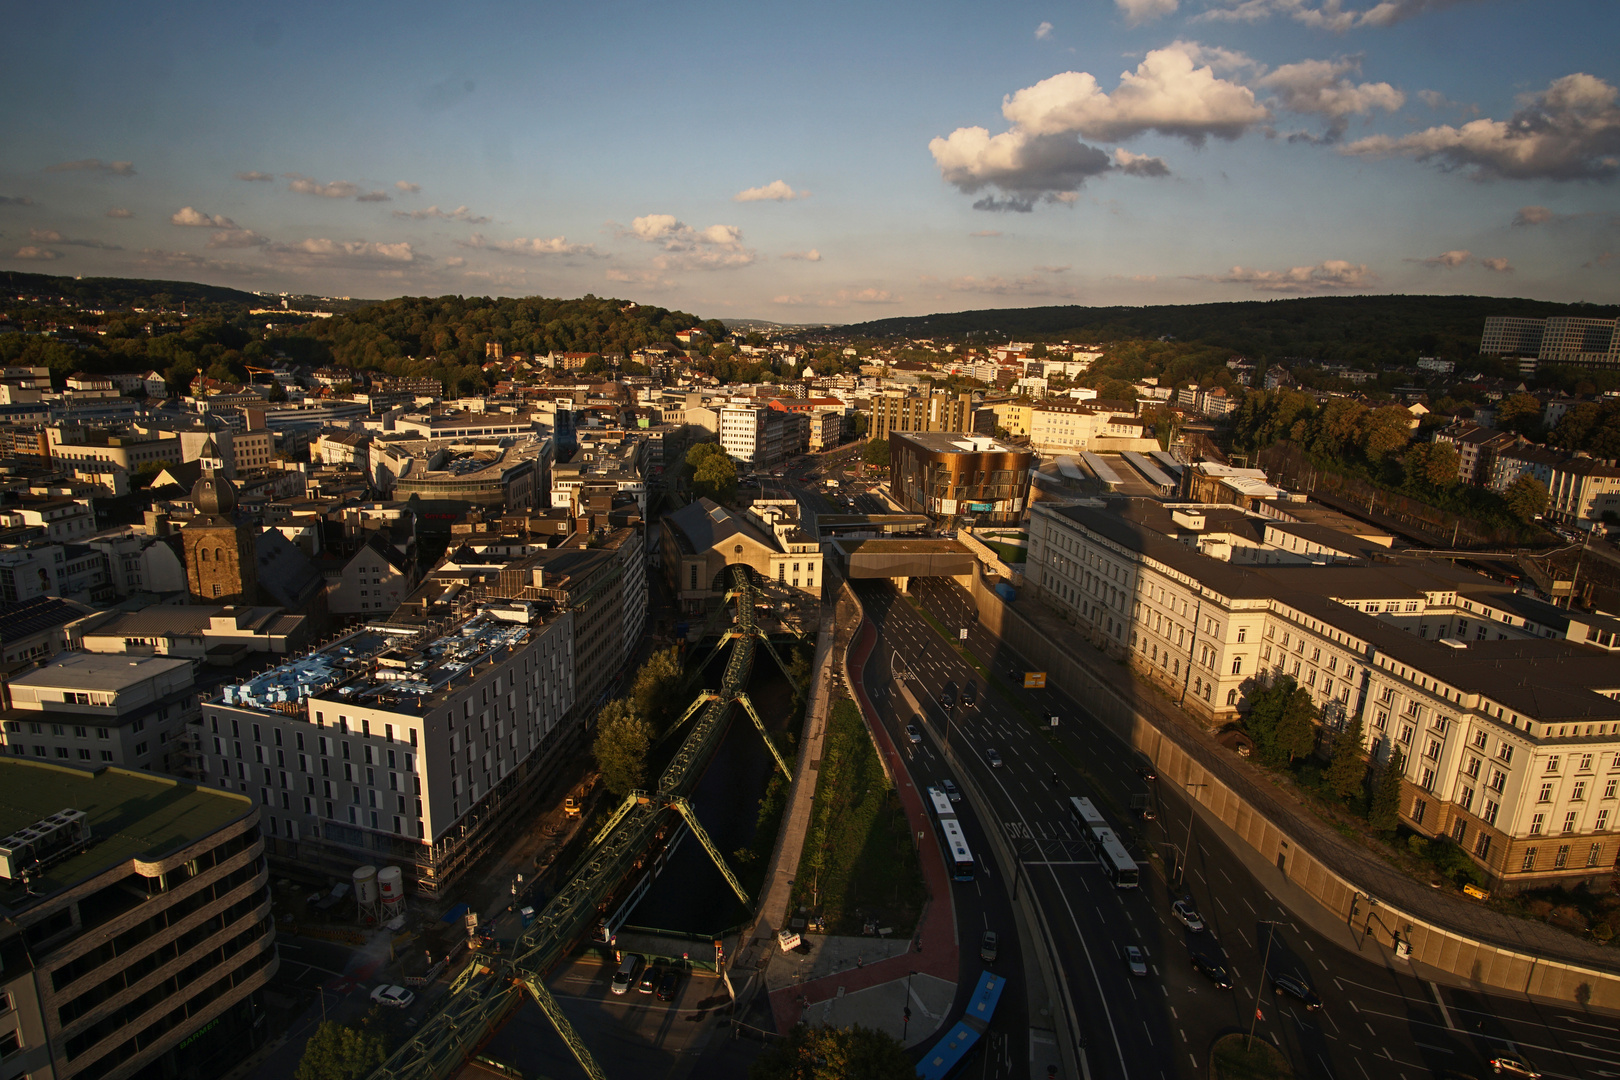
x=833 y=165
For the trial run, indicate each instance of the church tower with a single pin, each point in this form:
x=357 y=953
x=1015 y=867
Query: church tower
x=221 y=567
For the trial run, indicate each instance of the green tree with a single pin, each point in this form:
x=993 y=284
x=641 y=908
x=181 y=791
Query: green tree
x=1519 y=412
x=1442 y=465
x=829 y=1053
x=1385 y=431
x=1526 y=497
x=714 y=474
x=652 y=694
x=339 y=1052
x=1346 y=770
x=876 y=453
x=1384 y=814
x=622 y=742
x=1296 y=727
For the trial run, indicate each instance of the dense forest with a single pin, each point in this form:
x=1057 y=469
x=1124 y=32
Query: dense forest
x=1334 y=328
x=127 y=292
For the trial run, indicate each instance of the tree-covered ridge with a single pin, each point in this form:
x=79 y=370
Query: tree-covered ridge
x=1336 y=328
x=110 y=292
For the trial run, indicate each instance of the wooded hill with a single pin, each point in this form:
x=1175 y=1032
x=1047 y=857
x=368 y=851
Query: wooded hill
x=1338 y=328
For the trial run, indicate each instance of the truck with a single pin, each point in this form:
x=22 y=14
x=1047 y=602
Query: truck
x=832 y=484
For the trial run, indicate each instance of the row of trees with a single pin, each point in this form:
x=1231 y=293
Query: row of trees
x=628 y=727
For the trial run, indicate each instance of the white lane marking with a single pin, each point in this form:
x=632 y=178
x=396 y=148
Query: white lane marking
x=1445 y=1014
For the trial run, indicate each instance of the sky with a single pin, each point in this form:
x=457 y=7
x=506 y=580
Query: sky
x=826 y=162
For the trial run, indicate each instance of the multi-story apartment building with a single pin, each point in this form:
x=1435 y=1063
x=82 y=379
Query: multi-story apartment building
x=413 y=742
x=826 y=428
x=936 y=412
x=743 y=435
x=1476 y=448
x=1508 y=336
x=1578 y=485
x=1561 y=339
x=90 y=710
x=1065 y=428
x=59 y=519
x=76 y=571
x=137 y=932
x=1504 y=708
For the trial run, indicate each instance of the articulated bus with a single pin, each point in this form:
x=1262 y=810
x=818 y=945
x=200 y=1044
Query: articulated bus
x=944 y=809
x=1116 y=860
x=960 y=855
x=1086 y=817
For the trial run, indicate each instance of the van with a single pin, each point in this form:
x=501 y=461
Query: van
x=625 y=977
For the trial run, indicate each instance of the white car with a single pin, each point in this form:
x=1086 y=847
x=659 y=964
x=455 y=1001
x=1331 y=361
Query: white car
x=392 y=997
x=1135 y=961
x=1188 y=916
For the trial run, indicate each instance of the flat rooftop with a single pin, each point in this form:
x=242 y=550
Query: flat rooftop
x=109 y=672
x=131 y=815
x=949 y=442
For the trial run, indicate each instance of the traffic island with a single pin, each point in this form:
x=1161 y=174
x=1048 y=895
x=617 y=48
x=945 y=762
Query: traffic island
x=1240 y=1057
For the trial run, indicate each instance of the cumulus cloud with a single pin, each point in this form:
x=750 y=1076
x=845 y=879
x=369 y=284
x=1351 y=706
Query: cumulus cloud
x=188 y=215
x=37 y=254
x=718 y=247
x=531 y=247
x=108 y=168
x=460 y=213
x=455 y=260
x=1450 y=260
x=337 y=189
x=1533 y=215
x=51 y=236
x=237 y=238
x=1325 y=276
x=1043 y=31
x=257 y=177
x=15 y=200
x=407 y=187
x=1500 y=265
x=1139 y=164
x=1326 y=15
x=1173 y=91
x=348 y=252
x=1319 y=88
x=808 y=256
x=1137 y=12
x=120 y=212
x=1025 y=168
x=1570 y=131
x=775 y=191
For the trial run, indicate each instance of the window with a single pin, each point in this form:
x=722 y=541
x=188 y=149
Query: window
x=1579 y=793
x=1490 y=813
x=1535 y=823
x=1479 y=739
x=1505 y=752
x=1498 y=780
x=1569 y=821
x=1594 y=854
x=1482 y=845
x=1562 y=858
x=1459 y=831
x=1243 y=633
x=1586 y=763
x=1466 y=799
x=1472 y=769
x=1546 y=794
x=1602 y=822
x=10 y=1042
x=1420 y=807
x=1608 y=790
x=1231 y=697
x=1529 y=860
x=1552 y=764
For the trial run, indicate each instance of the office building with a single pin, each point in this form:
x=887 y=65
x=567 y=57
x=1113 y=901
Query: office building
x=1561 y=339
x=959 y=476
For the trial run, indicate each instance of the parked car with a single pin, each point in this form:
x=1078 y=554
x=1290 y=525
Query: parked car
x=987 y=947
x=912 y=734
x=1513 y=1066
x=625 y=977
x=1188 y=915
x=951 y=791
x=1295 y=987
x=993 y=758
x=649 y=979
x=392 y=997
x=1213 y=970
x=1135 y=960
x=668 y=984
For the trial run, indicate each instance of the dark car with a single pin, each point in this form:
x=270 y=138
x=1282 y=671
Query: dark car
x=1146 y=772
x=1213 y=970
x=1295 y=987
x=912 y=734
x=950 y=789
x=667 y=985
x=649 y=979
x=993 y=758
x=970 y=695
x=947 y=696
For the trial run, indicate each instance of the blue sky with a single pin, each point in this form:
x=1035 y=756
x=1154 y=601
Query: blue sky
x=822 y=162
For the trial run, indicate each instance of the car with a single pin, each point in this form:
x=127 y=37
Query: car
x=950 y=789
x=1188 y=915
x=970 y=695
x=392 y=997
x=1295 y=987
x=947 y=696
x=1135 y=960
x=1146 y=772
x=1513 y=1066
x=668 y=984
x=1213 y=970
x=625 y=977
x=993 y=758
x=649 y=979
x=987 y=947
x=912 y=734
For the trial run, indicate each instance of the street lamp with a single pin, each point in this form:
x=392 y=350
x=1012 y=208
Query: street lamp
x=1186 y=851
x=1265 y=965
x=905 y=1013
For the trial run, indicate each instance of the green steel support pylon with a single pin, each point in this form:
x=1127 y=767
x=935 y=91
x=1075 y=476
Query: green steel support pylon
x=554 y=1013
x=630 y=801
x=684 y=808
x=748 y=707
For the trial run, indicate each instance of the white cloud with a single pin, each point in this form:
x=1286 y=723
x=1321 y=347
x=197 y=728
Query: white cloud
x=51 y=236
x=808 y=256
x=110 y=168
x=254 y=176
x=120 y=212
x=37 y=254
x=1319 y=88
x=1174 y=91
x=348 y=252
x=407 y=187
x=1500 y=265
x=1139 y=164
x=455 y=260
x=1024 y=167
x=1533 y=215
x=1449 y=260
x=1325 y=276
x=718 y=247
x=337 y=189
x=1571 y=131
x=1043 y=31
x=1327 y=15
x=775 y=191
x=1137 y=12
x=655 y=227
x=191 y=216
x=530 y=247
x=864 y=296
x=460 y=213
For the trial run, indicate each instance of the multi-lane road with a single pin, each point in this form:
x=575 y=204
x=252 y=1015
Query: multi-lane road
x=1375 y=1019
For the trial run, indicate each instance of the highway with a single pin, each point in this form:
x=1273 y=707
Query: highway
x=1374 y=1020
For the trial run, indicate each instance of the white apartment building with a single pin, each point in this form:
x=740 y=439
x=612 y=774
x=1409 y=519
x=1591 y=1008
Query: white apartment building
x=63 y=520
x=89 y=710
x=1506 y=712
x=409 y=742
x=743 y=434
x=1066 y=428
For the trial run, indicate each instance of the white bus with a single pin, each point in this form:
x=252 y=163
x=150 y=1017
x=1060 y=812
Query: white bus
x=1086 y=816
x=944 y=809
x=960 y=855
x=1116 y=860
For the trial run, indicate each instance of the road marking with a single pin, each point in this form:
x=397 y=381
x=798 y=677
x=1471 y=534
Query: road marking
x=1248 y=905
x=1363 y=1068
x=1445 y=1014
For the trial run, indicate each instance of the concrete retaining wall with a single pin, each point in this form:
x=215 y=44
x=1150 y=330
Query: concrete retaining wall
x=1475 y=961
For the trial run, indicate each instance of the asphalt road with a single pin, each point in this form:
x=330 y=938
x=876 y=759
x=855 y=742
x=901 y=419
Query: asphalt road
x=1375 y=1019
